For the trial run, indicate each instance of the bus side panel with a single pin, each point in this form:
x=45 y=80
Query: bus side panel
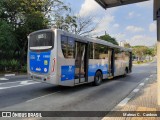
x=66 y=67
x=116 y=68
x=94 y=65
x=120 y=66
x=121 y=63
x=54 y=63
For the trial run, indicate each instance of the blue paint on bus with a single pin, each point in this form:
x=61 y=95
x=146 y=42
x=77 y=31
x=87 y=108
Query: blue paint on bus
x=68 y=72
x=93 y=68
x=39 y=61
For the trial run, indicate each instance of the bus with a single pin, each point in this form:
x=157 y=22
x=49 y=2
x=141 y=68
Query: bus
x=62 y=58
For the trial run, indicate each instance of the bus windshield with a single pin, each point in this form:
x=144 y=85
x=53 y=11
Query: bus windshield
x=41 y=41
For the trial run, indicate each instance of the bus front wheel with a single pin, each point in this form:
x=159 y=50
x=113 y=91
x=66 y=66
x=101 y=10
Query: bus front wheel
x=97 y=78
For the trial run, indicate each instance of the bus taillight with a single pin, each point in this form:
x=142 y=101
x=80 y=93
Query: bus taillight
x=54 y=62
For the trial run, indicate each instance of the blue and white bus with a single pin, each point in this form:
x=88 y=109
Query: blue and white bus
x=61 y=58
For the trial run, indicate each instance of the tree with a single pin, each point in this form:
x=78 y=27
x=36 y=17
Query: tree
x=108 y=38
x=151 y=52
x=7 y=40
x=74 y=24
x=83 y=25
x=155 y=49
x=26 y=16
x=139 y=51
x=127 y=45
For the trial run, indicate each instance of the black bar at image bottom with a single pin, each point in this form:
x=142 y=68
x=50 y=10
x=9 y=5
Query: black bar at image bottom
x=22 y=114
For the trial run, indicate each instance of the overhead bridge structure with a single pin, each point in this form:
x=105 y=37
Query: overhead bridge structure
x=114 y=3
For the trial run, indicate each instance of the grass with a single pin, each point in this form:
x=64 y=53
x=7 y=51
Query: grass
x=142 y=62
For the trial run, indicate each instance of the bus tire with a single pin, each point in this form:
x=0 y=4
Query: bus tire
x=98 y=78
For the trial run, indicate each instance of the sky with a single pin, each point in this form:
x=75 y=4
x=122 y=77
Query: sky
x=131 y=23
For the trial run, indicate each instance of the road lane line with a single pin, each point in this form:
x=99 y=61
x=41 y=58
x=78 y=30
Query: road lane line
x=13 y=82
x=27 y=82
x=135 y=90
x=151 y=75
x=2 y=88
x=141 y=84
x=147 y=79
x=4 y=79
x=124 y=102
x=9 y=75
x=42 y=96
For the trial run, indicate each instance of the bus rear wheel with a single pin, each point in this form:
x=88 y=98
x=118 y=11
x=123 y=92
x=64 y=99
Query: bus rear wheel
x=97 y=78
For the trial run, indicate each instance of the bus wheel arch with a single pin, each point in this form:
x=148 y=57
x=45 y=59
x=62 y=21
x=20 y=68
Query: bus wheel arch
x=98 y=77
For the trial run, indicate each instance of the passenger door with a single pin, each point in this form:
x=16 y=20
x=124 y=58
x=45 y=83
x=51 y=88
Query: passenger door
x=110 y=63
x=80 y=62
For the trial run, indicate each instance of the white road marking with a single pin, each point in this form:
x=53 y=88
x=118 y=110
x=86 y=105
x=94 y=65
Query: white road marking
x=4 y=79
x=151 y=75
x=2 y=88
x=124 y=102
x=141 y=84
x=13 y=82
x=147 y=79
x=27 y=82
x=24 y=82
x=9 y=75
x=42 y=96
x=135 y=90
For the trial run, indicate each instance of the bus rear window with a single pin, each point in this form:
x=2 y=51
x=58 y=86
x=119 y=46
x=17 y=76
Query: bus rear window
x=41 y=41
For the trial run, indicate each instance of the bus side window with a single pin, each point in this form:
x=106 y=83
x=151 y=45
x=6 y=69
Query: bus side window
x=67 y=44
x=127 y=56
x=64 y=45
x=96 y=50
x=117 y=51
x=103 y=52
x=91 y=51
x=71 y=45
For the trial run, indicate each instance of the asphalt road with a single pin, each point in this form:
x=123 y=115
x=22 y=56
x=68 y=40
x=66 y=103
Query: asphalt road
x=21 y=94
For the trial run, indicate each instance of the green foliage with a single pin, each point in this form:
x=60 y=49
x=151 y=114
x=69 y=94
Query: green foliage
x=139 y=62
x=18 y=18
x=127 y=45
x=142 y=51
x=3 y=64
x=9 y=65
x=24 y=68
x=151 y=52
x=7 y=37
x=13 y=64
x=108 y=38
x=139 y=51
